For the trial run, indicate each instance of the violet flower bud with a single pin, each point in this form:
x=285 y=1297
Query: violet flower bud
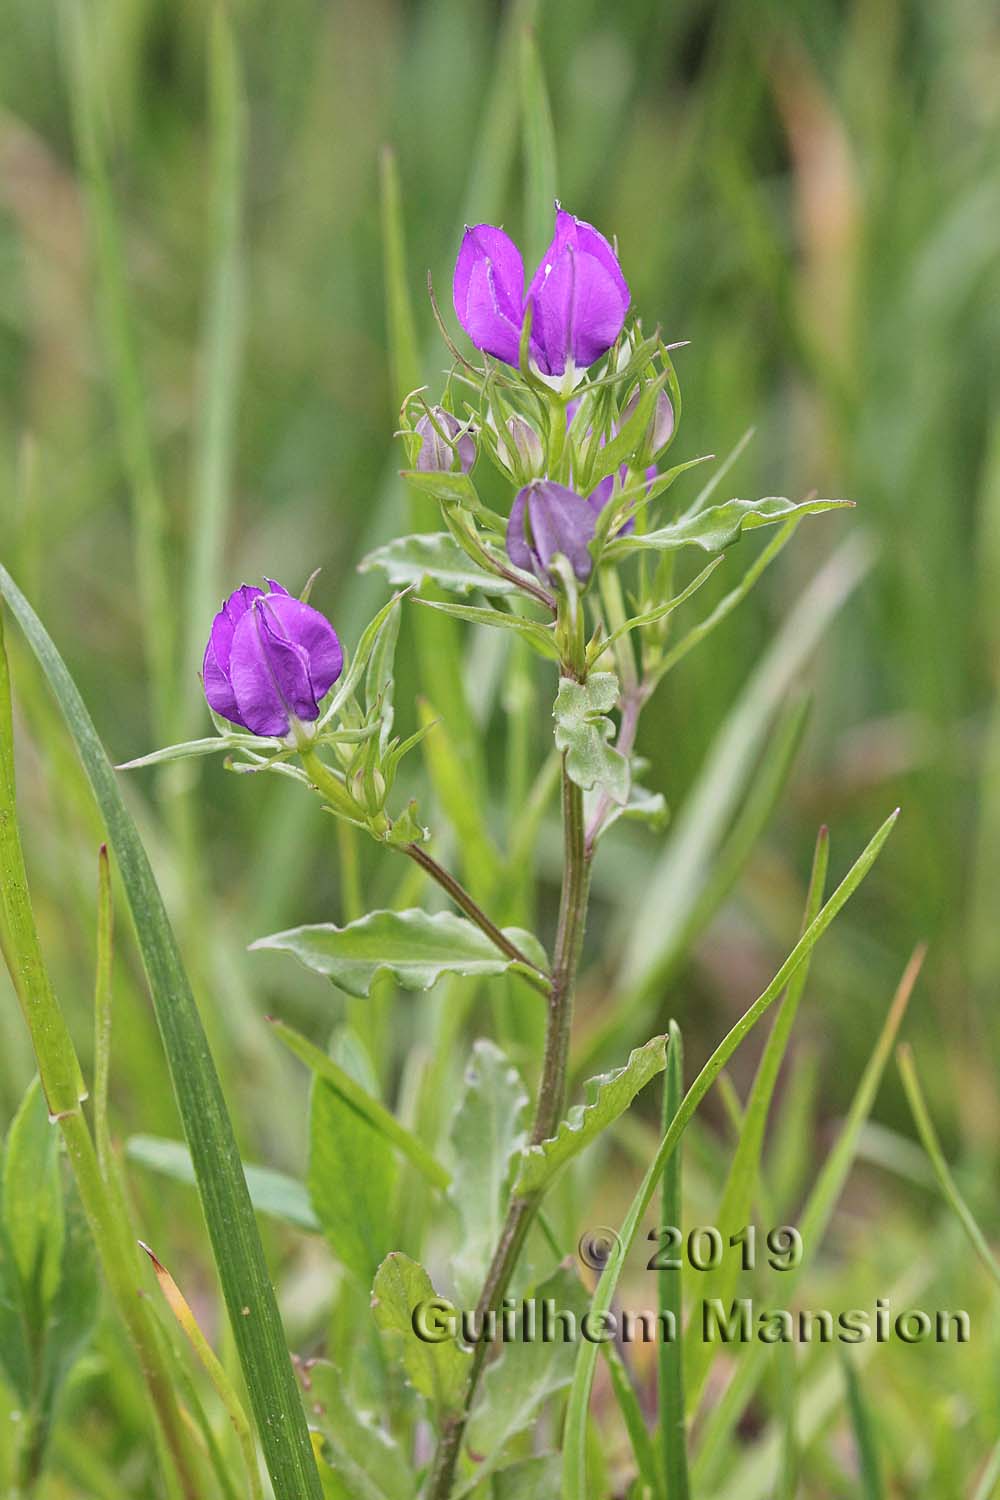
x=578 y=295
x=522 y=449
x=547 y=518
x=438 y=456
x=270 y=660
x=661 y=427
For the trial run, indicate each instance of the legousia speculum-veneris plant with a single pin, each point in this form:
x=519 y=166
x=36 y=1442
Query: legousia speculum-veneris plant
x=546 y=454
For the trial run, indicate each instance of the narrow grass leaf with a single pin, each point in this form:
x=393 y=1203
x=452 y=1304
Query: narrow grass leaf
x=864 y=1426
x=931 y=1144
x=672 y=1424
x=740 y=1189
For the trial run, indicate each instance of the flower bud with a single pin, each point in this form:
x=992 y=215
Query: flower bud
x=437 y=455
x=522 y=452
x=661 y=426
x=546 y=519
x=270 y=660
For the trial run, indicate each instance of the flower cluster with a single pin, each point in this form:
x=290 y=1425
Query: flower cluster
x=568 y=416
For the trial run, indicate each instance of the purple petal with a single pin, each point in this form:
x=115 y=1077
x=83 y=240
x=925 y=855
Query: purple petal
x=561 y=521
x=215 y=667
x=579 y=297
x=518 y=549
x=307 y=628
x=488 y=291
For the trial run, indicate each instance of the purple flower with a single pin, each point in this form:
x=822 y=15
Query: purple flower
x=547 y=518
x=270 y=659
x=578 y=295
x=436 y=455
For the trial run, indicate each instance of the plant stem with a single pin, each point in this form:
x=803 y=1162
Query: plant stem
x=548 y=1111
x=475 y=913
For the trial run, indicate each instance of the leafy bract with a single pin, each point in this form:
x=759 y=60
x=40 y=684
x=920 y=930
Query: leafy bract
x=410 y=559
x=583 y=731
x=718 y=526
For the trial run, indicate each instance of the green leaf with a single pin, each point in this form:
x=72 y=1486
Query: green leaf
x=437 y=1370
x=352 y=1169
x=642 y=807
x=358 y=1450
x=575 y=1453
x=486 y=1132
x=527 y=1373
x=33 y=1203
x=238 y=1253
x=410 y=559
x=583 y=730
x=720 y=526
x=531 y=1479
x=539 y=149
x=271 y=1192
x=367 y=646
x=415 y=946
x=16 y=1355
x=452 y=488
x=72 y=1311
x=365 y=1104
x=539 y=637
x=609 y=1095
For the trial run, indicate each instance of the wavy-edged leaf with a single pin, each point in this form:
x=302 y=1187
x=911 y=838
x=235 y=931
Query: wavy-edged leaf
x=609 y=1095
x=719 y=526
x=415 y=946
x=437 y=1370
x=239 y=1255
x=583 y=731
x=486 y=1132
x=528 y=1372
x=357 y=1448
x=272 y=1193
x=410 y=559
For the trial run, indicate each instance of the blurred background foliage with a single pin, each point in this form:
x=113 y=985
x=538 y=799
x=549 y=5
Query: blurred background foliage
x=808 y=193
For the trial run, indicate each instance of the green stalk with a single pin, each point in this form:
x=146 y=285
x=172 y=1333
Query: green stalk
x=548 y=1111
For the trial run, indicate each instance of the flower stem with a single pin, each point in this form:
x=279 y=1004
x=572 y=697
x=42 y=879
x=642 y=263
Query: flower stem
x=548 y=1111
x=462 y=899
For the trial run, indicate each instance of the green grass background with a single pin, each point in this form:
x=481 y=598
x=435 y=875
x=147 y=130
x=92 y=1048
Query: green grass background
x=807 y=192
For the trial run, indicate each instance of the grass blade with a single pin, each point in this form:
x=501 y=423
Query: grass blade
x=931 y=1144
x=540 y=185
x=239 y=1255
x=574 y=1456
x=673 y=1430
x=864 y=1436
x=741 y=1184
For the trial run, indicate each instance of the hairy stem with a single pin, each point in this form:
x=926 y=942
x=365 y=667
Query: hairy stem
x=548 y=1112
